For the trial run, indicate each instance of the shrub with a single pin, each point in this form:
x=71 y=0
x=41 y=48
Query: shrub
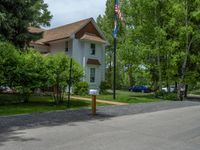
x=170 y=96
x=159 y=94
x=57 y=70
x=104 y=86
x=30 y=70
x=81 y=88
x=166 y=96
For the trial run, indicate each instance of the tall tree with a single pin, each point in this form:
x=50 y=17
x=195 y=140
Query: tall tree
x=161 y=37
x=16 y=16
x=185 y=16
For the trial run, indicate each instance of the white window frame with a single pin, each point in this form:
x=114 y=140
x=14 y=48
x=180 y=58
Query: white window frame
x=92 y=51
x=67 y=46
x=92 y=75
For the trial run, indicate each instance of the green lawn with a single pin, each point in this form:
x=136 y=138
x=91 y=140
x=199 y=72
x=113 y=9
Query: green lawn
x=129 y=97
x=36 y=104
x=45 y=103
x=196 y=92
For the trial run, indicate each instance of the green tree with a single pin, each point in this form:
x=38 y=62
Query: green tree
x=57 y=67
x=9 y=59
x=30 y=70
x=29 y=74
x=184 y=18
x=161 y=38
x=16 y=16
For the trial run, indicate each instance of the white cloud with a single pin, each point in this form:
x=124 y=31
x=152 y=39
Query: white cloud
x=68 y=11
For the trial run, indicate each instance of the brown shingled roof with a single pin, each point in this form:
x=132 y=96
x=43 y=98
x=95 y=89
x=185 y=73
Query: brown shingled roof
x=63 y=31
x=92 y=37
x=93 y=62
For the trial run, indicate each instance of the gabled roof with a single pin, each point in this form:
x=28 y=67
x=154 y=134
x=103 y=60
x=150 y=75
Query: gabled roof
x=92 y=37
x=62 y=32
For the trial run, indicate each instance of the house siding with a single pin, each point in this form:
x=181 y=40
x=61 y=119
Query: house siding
x=78 y=50
x=41 y=48
x=100 y=69
x=57 y=47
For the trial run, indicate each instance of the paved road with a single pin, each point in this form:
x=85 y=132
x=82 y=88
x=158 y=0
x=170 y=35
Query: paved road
x=63 y=117
x=172 y=129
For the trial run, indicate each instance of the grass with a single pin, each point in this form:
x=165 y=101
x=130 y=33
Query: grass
x=36 y=104
x=129 y=97
x=39 y=104
x=196 y=92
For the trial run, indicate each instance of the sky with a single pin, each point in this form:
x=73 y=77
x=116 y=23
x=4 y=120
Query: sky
x=68 y=11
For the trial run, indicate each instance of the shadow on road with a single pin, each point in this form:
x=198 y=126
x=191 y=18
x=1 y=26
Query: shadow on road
x=14 y=136
x=10 y=127
x=194 y=98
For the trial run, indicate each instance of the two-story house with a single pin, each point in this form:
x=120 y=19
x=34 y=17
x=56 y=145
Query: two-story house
x=83 y=41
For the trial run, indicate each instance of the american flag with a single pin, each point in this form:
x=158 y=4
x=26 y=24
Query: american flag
x=115 y=28
x=118 y=11
x=119 y=15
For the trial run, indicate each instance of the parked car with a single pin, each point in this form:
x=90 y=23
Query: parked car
x=171 y=88
x=140 y=88
x=5 y=89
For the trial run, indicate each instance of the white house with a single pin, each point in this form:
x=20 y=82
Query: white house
x=82 y=41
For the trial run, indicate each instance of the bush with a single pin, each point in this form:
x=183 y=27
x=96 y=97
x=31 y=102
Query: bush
x=29 y=70
x=81 y=88
x=170 y=96
x=159 y=94
x=104 y=86
x=166 y=96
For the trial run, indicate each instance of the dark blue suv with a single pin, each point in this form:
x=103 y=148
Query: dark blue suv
x=140 y=88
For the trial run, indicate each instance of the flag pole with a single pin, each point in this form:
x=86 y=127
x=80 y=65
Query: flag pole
x=115 y=49
x=114 y=69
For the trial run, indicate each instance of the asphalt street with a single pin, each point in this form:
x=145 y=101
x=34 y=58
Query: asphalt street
x=172 y=129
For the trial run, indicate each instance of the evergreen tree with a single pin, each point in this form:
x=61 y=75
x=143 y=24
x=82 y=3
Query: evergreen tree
x=17 y=15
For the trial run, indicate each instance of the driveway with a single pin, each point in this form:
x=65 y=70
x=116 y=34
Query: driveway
x=169 y=129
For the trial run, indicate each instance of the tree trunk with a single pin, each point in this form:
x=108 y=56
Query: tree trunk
x=180 y=93
x=176 y=87
x=183 y=70
x=186 y=91
x=158 y=49
x=187 y=50
x=130 y=76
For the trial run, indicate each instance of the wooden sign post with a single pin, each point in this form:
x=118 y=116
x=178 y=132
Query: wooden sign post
x=94 y=94
x=94 y=104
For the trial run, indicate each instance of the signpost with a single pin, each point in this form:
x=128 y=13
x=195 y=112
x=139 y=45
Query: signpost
x=94 y=93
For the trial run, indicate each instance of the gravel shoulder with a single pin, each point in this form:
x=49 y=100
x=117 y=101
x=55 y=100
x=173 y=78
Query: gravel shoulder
x=11 y=123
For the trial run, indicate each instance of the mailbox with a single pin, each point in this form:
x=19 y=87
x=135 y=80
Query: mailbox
x=93 y=92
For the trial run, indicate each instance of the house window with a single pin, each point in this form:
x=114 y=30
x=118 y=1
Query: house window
x=66 y=47
x=92 y=75
x=93 y=49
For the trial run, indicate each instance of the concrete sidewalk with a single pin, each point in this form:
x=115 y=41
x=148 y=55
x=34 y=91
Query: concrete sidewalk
x=100 y=101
